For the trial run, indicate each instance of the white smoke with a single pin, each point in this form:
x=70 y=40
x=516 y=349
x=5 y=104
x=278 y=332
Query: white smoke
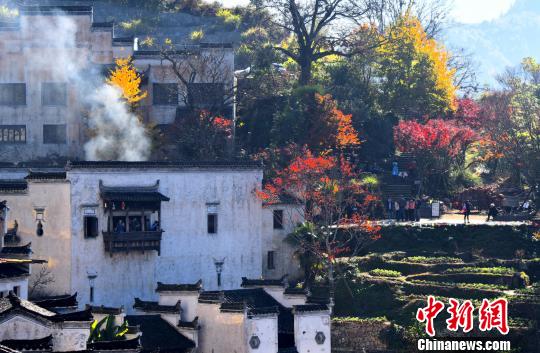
x=115 y=132
x=118 y=134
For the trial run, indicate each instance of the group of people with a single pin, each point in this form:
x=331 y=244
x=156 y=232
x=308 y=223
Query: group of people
x=404 y=209
x=135 y=226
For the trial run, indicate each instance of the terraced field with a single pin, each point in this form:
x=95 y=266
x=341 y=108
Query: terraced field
x=395 y=284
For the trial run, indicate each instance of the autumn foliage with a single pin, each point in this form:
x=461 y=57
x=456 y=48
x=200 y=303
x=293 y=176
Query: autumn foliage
x=127 y=79
x=418 y=79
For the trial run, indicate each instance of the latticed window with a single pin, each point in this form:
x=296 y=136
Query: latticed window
x=12 y=94
x=12 y=133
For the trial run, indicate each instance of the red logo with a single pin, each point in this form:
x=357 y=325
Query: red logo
x=491 y=315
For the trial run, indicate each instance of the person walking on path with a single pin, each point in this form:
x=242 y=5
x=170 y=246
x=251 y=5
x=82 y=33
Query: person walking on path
x=492 y=212
x=466 y=211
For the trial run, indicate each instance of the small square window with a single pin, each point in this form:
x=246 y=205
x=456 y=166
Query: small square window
x=54 y=134
x=12 y=94
x=212 y=223
x=165 y=94
x=53 y=94
x=90 y=227
x=270 y=264
x=278 y=219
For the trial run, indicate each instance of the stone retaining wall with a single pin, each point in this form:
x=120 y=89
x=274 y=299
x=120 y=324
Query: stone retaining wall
x=356 y=336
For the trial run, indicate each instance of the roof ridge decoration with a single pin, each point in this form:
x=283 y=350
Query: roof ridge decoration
x=179 y=287
x=194 y=324
x=255 y=282
x=234 y=164
x=155 y=307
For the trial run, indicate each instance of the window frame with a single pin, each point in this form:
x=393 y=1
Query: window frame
x=50 y=142
x=277 y=221
x=214 y=216
x=13 y=128
x=64 y=84
x=271 y=260
x=168 y=102
x=85 y=218
x=14 y=103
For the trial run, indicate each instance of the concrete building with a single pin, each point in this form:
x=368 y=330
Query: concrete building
x=53 y=56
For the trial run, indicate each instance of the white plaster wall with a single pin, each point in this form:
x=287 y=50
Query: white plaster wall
x=221 y=332
x=188 y=302
x=23 y=328
x=266 y=329
x=187 y=251
x=306 y=326
x=55 y=245
x=8 y=284
x=273 y=240
x=69 y=337
x=284 y=299
x=25 y=47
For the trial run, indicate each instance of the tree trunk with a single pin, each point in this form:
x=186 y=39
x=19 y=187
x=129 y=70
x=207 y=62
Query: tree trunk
x=305 y=72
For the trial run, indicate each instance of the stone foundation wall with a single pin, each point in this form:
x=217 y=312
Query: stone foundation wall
x=356 y=336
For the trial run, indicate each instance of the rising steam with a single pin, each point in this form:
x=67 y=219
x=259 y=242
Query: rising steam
x=116 y=133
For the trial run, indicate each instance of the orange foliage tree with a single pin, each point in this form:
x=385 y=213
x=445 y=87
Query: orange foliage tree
x=125 y=77
x=335 y=221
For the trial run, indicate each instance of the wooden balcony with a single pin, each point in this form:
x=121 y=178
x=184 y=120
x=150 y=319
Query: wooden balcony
x=132 y=241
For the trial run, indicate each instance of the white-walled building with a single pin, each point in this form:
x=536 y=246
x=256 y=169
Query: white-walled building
x=52 y=57
x=208 y=226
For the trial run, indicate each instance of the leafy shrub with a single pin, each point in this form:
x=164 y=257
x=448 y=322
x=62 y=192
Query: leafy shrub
x=230 y=19
x=197 y=36
x=432 y=260
x=371 y=182
x=520 y=280
x=463 y=285
x=384 y=273
x=486 y=270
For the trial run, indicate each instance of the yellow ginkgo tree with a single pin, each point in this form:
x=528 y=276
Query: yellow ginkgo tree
x=128 y=80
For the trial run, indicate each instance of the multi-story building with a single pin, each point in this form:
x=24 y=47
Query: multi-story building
x=53 y=57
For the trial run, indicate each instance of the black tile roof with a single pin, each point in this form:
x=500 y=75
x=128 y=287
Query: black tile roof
x=148 y=306
x=59 y=301
x=83 y=315
x=189 y=324
x=13 y=185
x=49 y=175
x=12 y=302
x=247 y=282
x=157 y=334
x=4 y=349
x=184 y=287
x=17 y=250
x=105 y=310
x=103 y=24
x=54 y=9
x=138 y=196
x=254 y=300
x=42 y=344
x=133 y=343
x=231 y=164
x=10 y=270
x=310 y=307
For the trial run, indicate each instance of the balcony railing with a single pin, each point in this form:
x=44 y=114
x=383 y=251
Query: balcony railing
x=132 y=241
